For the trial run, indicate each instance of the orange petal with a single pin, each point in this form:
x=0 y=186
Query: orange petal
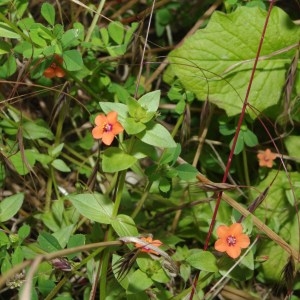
x=233 y=251
x=49 y=73
x=221 y=245
x=243 y=241
x=101 y=120
x=235 y=229
x=117 y=128
x=112 y=117
x=107 y=138
x=260 y=155
x=222 y=231
x=156 y=243
x=97 y=132
x=59 y=72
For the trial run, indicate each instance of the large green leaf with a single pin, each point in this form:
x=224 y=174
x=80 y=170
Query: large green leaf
x=95 y=207
x=157 y=135
x=48 y=242
x=203 y=260
x=72 y=60
x=124 y=226
x=22 y=161
x=217 y=61
x=114 y=160
x=36 y=130
x=10 y=206
x=48 y=12
x=7 y=32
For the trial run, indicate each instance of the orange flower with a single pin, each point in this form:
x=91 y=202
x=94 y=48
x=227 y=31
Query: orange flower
x=266 y=158
x=107 y=127
x=231 y=240
x=55 y=70
x=150 y=241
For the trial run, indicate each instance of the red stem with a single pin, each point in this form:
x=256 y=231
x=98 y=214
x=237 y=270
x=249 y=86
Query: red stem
x=240 y=122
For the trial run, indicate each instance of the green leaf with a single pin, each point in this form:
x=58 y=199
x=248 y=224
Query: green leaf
x=72 y=60
x=17 y=257
x=7 y=32
x=150 y=101
x=116 y=32
x=4 y=47
x=48 y=13
x=239 y=272
x=165 y=185
x=219 y=59
x=129 y=32
x=114 y=160
x=138 y=282
x=33 y=131
x=25 y=48
x=185 y=271
x=239 y=143
x=95 y=207
x=250 y=138
x=75 y=241
x=9 y=67
x=48 y=242
x=157 y=135
x=133 y=127
x=60 y=165
x=104 y=36
x=54 y=152
x=24 y=232
x=124 y=226
x=6 y=265
x=4 y=240
x=10 y=206
x=203 y=260
x=18 y=161
x=186 y=172
x=292 y=144
x=70 y=38
x=170 y=155
x=63 y=235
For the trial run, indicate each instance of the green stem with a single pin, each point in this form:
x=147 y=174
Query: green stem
x=48 y=191
x=177 y=125
x=246 y=170
x=103 y=275
x=142 y=201
x=95 y=20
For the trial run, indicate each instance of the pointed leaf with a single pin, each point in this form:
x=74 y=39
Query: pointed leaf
x=150 y=101
x=72 y=60
x=157 y=135
x=10 y=206
x=48 y=13
x=95 y=207
x=114 y=160
x=203 y=260
x=124 y=226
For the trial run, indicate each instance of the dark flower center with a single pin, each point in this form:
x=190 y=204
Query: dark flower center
x=231 y=240
x=108 y=127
